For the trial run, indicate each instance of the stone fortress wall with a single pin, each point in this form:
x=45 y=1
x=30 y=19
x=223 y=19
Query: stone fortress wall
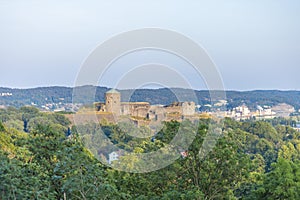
x=144 y=110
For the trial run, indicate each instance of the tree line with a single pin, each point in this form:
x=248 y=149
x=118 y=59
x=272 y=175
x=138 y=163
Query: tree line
x=47 y=95
x=44 y=157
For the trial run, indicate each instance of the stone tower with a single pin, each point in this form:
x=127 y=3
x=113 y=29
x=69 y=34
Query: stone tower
x=188 y=108
x=113 y=102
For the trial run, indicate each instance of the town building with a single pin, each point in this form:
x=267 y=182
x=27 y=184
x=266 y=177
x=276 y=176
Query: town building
x=112 y=157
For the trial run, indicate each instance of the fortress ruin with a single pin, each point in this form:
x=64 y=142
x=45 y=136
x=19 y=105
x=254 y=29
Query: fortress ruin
x=143 y=110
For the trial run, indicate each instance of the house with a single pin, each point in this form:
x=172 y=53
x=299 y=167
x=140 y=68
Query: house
x=112 y=157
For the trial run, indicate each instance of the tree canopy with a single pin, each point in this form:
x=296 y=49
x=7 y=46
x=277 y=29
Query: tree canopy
x=51 y=159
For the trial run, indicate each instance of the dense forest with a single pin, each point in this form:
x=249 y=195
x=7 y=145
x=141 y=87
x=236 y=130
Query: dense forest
x=43 y=156
x=48 y=95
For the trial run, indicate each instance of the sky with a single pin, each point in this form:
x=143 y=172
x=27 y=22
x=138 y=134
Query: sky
x=254 y=44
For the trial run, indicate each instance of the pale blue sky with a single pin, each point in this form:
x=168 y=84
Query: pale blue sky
x=255 y=44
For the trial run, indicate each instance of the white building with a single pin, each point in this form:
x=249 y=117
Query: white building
x=112 y=157
x=5 y=94
x=240 y=112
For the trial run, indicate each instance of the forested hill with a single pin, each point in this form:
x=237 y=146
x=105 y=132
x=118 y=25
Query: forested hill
x=47 y=95
x=42 y=157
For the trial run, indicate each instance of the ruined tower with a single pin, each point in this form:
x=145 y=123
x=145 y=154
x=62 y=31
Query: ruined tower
x=188 y=108
x=113 y=102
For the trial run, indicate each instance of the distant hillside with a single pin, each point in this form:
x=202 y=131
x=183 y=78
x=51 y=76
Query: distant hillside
x=63 y=95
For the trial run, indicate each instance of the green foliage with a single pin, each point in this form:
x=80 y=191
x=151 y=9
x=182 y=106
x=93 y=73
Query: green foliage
x=263 y=130
x=15 y=124
x=2 y=127
x=282 y=182
x=250 y=160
